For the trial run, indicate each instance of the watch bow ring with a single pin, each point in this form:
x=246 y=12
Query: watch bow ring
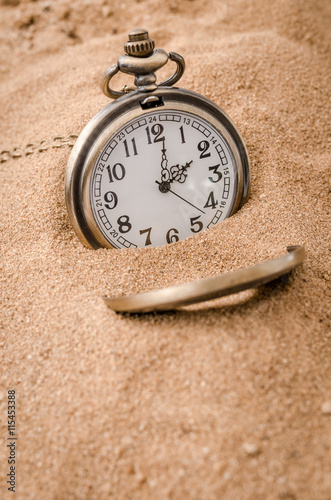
x=142 y=47
x=158 y=164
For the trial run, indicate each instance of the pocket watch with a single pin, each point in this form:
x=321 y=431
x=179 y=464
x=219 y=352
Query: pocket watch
x=158 y=164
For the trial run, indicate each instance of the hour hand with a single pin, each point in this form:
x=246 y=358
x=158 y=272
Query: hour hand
x=179 y=173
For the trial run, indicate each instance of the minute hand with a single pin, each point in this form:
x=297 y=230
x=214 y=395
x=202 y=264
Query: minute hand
x=186 y=201
x=165 y=174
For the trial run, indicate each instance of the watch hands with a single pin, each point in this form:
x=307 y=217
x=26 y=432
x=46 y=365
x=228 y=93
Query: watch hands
x=176 y=173
x=164 y=187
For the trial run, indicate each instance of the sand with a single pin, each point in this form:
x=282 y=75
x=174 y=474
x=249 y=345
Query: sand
x=230 y=399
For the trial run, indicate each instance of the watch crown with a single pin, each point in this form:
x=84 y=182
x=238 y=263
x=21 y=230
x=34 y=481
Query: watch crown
x=139 y=44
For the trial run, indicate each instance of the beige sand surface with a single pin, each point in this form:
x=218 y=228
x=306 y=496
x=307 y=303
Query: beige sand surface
x=226 y=400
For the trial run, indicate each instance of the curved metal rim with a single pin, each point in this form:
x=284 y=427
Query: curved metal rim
x=210 y=288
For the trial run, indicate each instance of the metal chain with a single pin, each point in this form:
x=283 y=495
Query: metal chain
x=44 y=145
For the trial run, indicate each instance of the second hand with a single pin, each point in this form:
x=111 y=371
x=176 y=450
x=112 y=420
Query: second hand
x=173 y=192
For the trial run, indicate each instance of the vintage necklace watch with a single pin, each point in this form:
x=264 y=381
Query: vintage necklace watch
x=156 y=166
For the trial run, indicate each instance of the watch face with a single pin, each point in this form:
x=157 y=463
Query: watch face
x=162 y=177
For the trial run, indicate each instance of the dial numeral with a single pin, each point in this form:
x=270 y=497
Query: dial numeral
x=196 y=225
x=148 y=237
x=156 y=130
x=172 y=238
x=211 y=201
x=216 y=172
x=126 y=147
x=124 y=226
x=117 y=172
x=203 y=146
x=182 y=134
x=111 y=200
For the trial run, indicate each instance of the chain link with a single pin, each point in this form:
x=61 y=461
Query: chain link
x=44 y=145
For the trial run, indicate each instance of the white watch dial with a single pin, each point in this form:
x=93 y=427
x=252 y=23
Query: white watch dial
x=160 y=178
